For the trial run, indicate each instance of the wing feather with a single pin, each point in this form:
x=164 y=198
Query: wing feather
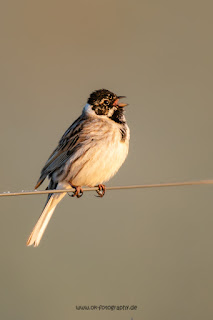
x=75 y=141
x=59 y=155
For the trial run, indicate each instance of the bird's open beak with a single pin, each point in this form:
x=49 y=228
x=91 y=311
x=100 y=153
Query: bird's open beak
x=121 y=105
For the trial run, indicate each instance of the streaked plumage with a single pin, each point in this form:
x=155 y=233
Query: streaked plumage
x=89 y=153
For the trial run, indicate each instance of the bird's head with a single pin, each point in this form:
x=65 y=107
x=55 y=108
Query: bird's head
x=105 y=103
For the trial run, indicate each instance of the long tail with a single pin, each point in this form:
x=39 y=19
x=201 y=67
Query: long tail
x=52 y=201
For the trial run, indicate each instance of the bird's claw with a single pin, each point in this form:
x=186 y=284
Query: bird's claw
x=101 y=190
x=77 y=193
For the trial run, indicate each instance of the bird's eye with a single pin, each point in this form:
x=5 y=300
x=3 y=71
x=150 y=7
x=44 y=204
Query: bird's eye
x=106 y=102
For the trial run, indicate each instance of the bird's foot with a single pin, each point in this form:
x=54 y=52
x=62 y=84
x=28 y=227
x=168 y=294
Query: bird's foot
x=101 y=190
x=77 y=193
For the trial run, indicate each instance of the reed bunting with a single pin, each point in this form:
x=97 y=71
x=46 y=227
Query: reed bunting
x=89 y=153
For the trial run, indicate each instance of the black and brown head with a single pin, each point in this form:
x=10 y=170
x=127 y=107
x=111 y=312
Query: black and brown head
x=106 y=103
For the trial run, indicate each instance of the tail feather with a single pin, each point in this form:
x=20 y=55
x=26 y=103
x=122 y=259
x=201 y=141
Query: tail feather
x=41 y=225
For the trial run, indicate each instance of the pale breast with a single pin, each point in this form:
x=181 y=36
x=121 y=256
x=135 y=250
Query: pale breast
x=102 y=160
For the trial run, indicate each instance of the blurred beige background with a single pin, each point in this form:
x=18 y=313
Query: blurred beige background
x=151 y=248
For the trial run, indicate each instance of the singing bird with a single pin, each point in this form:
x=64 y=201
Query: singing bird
x=89 y=153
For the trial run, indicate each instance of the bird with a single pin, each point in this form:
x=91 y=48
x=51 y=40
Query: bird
x=89 y=153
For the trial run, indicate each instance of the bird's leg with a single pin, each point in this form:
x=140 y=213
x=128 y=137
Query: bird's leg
x=101 y=190
x=78 y=192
